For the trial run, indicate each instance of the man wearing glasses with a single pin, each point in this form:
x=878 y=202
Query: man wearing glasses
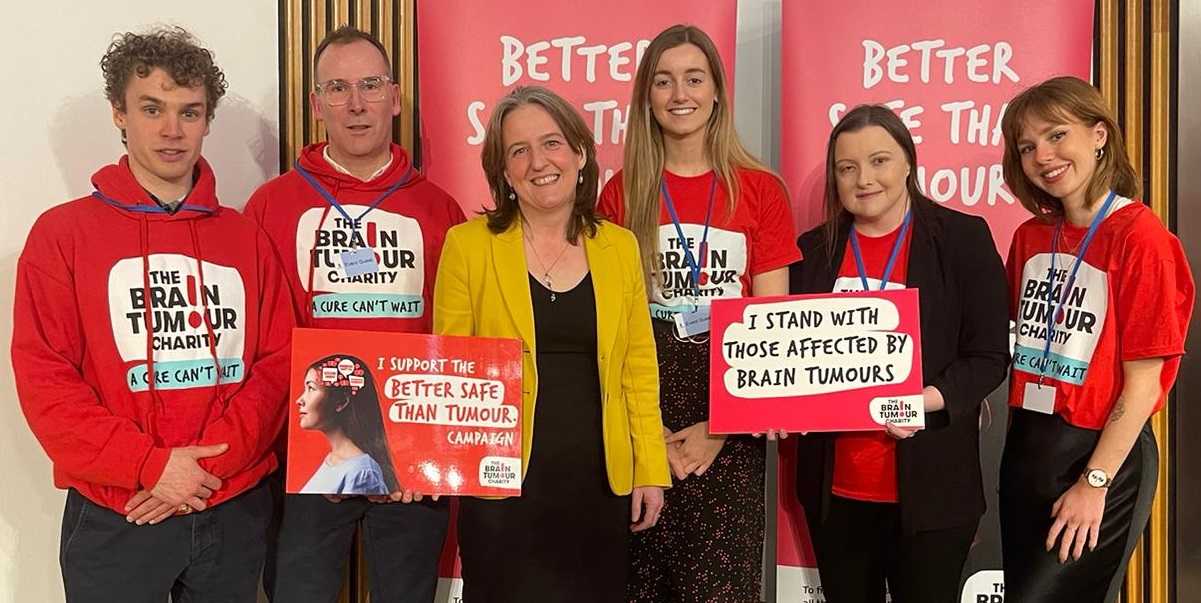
x=355 y=221
x=150 y=348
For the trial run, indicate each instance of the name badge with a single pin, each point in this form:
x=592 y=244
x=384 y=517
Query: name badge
x=359 y=261
x=1039 y=399
x=692 y=322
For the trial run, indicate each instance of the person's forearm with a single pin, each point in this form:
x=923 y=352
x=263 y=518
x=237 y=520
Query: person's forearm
x=1140 y=392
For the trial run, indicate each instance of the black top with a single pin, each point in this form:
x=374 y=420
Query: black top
x=567 y=443
x=962 y=292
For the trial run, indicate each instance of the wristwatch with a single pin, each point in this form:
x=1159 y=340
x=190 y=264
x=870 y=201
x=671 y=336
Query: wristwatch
x=1097 y=478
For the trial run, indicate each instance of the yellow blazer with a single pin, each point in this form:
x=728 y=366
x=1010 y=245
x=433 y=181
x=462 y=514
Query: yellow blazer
x=483 y=290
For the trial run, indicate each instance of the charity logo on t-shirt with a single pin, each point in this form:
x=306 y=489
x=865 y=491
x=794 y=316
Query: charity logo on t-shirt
x=849 y=284
x=392 y=290
x=178 y=299
x=1077 y=325
x=721 y=269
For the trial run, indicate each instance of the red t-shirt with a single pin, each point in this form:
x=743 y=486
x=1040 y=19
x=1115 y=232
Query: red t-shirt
x=757 y=238
x=865 y=463
x=1132 y=299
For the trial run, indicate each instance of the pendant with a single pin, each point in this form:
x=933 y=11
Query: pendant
x=552 y=296
x=546 y=278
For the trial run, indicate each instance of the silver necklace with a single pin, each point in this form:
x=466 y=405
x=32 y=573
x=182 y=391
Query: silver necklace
x=546 y=269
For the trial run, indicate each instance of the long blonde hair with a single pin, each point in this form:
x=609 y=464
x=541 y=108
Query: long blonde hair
x=644 y=151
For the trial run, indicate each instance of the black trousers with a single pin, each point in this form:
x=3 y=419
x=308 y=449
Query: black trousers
x=860 y=546
x=215 y=555
x=402 y=543
x=1044 y=456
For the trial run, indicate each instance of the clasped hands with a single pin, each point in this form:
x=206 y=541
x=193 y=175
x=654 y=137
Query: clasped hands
x=185 y=486
x=692 y=450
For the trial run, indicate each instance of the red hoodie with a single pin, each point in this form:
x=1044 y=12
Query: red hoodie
x=85 y=338
x=404 y=231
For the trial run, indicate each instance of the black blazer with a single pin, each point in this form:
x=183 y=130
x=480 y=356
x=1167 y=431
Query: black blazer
x=954 y=265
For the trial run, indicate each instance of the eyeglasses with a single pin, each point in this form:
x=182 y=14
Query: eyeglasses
x=371 y=90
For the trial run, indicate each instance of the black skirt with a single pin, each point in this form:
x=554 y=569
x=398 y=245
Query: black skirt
x=1044 y=456
x=566 y=538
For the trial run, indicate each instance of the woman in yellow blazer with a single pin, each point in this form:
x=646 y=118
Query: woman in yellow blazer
x=542 y=268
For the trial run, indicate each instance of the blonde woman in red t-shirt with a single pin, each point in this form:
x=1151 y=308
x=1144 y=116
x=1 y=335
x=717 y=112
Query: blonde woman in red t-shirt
x=902 y=505
x=1102 y=296
x=712 y=222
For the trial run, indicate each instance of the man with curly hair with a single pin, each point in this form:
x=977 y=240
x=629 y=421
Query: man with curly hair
x=150 y=349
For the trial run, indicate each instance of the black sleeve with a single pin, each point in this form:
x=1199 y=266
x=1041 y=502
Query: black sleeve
x=983 y=357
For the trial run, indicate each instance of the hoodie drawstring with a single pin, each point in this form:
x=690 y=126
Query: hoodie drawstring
x=208 y=325
x=310 y=294
x=148 y=315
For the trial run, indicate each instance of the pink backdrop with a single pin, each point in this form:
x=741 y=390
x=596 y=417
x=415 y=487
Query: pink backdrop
x=947 y=68
x=472 y=52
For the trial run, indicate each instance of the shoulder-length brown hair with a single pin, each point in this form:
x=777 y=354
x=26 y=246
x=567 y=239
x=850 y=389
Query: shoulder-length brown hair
x=866 y=116
x=578 y=136
x=1066 y=99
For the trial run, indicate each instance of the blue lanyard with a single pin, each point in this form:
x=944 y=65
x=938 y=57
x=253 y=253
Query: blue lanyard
x=338 y=206
x=693 y=265
x=1067 y=287
x=151 y=209
x=892 y=258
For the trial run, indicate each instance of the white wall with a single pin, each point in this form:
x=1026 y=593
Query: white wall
x=757 y=78
x=57 y=130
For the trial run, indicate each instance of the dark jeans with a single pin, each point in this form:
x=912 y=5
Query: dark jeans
x=215 y=555
x=402 y=543
x=860 y=545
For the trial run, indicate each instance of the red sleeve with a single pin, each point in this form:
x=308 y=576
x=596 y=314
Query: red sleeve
x=774 y=241
x=254 y=415
x=256 y=206
x=611 y=204
x=79 y=434
x=454 y=212
x=1153 y=295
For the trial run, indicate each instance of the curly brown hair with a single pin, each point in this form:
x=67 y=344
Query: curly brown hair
x=171 y=49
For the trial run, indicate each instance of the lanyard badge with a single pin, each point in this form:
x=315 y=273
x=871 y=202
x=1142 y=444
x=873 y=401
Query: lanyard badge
x=357 y=260
x=1035 y=396
x=694 y=321
x=892 y=257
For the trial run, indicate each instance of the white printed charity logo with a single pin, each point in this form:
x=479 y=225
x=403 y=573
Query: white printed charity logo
x=177 y=300
x=500 y=472
x=723 y=265
x=392 y=291
x=1077 y=327
x=848 y=284
x=817 y=346
x=984 y=586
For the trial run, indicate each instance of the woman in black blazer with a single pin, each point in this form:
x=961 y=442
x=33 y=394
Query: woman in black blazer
x=902 y=505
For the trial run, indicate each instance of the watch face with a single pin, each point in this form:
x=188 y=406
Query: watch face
x=1097 y=478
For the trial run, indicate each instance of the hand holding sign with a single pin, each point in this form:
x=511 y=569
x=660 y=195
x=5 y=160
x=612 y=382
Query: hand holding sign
x=832 y=362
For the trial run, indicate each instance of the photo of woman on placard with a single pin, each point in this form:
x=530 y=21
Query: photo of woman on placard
x=1102 y=296
x=902 y=505
x=339 y=399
